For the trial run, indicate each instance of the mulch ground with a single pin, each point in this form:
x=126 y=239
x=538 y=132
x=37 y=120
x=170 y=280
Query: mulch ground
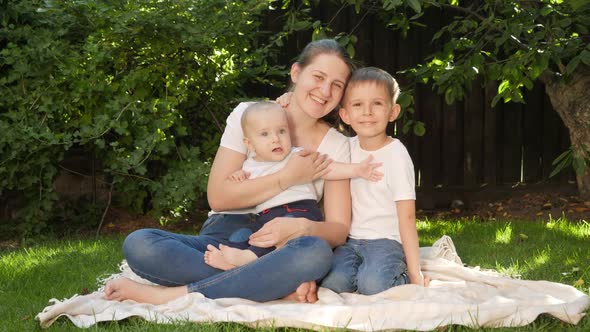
x=519 y=204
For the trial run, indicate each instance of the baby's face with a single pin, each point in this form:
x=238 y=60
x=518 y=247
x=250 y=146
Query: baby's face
x=268 y=135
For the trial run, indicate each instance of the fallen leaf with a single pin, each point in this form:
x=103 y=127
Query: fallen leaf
x=523 y=236
x=581 y=209
x=579 y=282
x=547 y=206
x=539 y=213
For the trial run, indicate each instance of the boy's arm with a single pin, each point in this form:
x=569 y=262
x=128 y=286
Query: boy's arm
x=365 y=169
x=406 y=212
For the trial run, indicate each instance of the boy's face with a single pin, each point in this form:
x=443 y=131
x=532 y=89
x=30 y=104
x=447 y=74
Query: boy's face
x=368 y=108
x=268 y=135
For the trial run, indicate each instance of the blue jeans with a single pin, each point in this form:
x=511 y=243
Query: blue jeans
x=367 y=266
x=307 y=208
x=171 y=259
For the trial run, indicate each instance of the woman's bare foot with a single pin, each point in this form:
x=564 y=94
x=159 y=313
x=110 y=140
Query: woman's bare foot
x=307 y=292
x=122 y=289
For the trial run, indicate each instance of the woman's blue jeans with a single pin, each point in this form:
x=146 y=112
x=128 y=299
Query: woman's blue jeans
x=367 y=266
x=171 y=259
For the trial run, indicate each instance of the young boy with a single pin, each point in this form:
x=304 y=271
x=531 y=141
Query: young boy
x=382 y=248
x=266 y=134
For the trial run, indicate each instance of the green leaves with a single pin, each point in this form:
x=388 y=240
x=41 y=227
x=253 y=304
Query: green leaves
x=133 y=83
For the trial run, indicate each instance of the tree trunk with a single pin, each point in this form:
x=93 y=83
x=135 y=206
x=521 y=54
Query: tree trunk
x=571 y=100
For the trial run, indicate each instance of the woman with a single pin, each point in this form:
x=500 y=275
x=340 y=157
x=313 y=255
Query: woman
x=176 y=262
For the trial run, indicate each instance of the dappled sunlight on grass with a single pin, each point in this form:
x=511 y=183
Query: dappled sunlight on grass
x=580 y=230
x=504 y=235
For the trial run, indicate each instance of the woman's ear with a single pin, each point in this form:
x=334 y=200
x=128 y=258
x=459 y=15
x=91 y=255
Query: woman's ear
x=395 y=110
x=295 y=70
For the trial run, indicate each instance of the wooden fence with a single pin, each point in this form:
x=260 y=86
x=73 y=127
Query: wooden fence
x=467 y=145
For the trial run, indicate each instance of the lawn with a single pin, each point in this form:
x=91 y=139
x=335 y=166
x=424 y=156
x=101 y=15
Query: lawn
x=555 y=250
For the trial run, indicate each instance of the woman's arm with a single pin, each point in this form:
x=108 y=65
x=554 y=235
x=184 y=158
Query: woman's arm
x=224 y=194
x=337 y=212
x=406 y=212
x=335 y=228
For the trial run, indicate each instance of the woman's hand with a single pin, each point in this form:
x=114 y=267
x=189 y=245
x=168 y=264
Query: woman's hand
x=279 y=231
x=304 y=167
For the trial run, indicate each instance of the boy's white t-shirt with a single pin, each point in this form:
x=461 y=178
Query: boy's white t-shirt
x=374 y=213
x=291 y=194
x=334 y=144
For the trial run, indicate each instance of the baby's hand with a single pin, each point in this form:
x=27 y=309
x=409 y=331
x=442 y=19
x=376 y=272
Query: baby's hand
x=238 y=176
x=285 y=99
x=367 y=170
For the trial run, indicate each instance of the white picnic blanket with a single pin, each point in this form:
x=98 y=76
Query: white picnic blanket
x=457 y=295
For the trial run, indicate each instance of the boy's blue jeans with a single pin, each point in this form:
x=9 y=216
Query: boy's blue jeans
x=172 y=259
x=367 y=266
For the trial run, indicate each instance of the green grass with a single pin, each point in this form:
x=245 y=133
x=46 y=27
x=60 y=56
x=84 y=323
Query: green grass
x=552 y=250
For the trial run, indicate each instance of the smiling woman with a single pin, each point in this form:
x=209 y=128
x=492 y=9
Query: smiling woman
x=178 y=261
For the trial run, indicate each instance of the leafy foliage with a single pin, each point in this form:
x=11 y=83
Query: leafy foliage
x=506 y=44
x=136 y=84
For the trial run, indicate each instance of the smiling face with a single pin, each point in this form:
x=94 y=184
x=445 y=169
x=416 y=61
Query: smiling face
x=266 y=132
x=368 y=108
x=319 y=85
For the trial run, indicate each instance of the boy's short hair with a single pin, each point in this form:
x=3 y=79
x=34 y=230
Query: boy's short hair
x=257 y=106
x=377 y=76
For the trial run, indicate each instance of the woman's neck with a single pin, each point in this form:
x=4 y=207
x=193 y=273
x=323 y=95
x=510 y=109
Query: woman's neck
x=304 y=129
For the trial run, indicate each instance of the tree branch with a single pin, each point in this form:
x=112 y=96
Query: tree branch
x=467 y=10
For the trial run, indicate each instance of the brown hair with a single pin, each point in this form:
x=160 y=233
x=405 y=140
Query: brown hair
x=377 y=76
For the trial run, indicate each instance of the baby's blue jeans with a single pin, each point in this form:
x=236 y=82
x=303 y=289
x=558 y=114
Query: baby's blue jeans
x=367 y=267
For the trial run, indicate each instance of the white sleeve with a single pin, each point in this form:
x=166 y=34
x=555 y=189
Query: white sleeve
x=401 y=181
x=233 y=136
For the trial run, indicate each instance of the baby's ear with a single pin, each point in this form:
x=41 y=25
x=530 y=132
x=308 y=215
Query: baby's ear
x=395 y=110
x=344 y=115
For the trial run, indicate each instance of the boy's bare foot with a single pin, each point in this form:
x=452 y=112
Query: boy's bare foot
x=307 y=292
x=237 y=257
x=122 y=289
x=214 y=257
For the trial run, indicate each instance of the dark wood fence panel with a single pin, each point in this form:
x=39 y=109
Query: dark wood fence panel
x=468 y=144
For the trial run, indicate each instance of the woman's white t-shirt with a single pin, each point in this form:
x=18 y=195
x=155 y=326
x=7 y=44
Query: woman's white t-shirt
x=334 y=144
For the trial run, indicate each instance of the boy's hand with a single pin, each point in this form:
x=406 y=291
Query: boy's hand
x=285 y=99
x=367 y=170
x=238 y=176
x=419 y=279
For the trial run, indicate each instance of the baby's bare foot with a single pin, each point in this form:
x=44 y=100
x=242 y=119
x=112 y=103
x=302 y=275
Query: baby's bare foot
x=216 y=258
x=237 y=257
x=122 y=289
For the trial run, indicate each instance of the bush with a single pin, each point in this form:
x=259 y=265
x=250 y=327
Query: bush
x=137 y=85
